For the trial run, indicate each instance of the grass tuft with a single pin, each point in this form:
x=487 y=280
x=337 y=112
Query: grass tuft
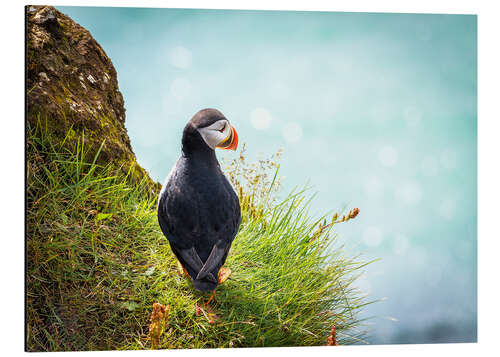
x=97 y=262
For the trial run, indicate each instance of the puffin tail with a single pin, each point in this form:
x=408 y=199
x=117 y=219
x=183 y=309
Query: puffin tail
x=205 y=285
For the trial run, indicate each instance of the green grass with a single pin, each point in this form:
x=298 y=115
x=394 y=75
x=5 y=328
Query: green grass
x=97 y=261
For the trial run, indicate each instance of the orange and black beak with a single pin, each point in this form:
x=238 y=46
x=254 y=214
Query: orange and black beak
x=231 y=142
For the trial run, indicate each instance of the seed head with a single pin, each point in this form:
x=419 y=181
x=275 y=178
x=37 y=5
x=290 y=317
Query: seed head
x=354 y=212
x=332 y=339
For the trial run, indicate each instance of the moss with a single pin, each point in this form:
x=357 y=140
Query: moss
x=67 y=109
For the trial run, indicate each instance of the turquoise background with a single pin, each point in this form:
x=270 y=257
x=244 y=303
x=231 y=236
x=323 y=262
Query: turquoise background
x=376 y=111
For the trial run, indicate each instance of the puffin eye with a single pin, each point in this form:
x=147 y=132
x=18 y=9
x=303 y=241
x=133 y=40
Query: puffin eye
x=223 y=128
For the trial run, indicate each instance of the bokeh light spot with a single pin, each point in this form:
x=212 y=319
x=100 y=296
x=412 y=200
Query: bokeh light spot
x=181 y=57
x=372 y=236
x=430 y=166
x=412 y=117
x=180 y=88
x=171 y=105
x=388 y=156
x=373 y=186
x=364 y=284
x=447 y=208
x=410 y=192
x=279 y=90
x=401 y=244
x=261 y=118
x=418 y=259
x=292 y=132
x=449 y=159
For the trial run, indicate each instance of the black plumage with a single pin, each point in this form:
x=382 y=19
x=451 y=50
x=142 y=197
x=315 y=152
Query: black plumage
x=198 y=209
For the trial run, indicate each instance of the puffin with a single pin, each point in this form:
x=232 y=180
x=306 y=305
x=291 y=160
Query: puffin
x=198 y=208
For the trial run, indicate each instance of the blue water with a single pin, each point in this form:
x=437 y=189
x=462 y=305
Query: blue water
x=376 y=111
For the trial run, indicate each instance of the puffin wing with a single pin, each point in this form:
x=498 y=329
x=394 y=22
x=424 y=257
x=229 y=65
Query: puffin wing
x=184 y=251
x=175 y=224
x=230 y=217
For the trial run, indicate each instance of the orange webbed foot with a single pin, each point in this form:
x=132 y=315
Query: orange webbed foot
x=224 y=274
x=181 y=269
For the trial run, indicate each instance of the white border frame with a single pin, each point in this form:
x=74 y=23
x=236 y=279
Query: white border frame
x=12 y=141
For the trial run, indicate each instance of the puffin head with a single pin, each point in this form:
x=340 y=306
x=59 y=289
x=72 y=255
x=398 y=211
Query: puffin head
x=213 y=128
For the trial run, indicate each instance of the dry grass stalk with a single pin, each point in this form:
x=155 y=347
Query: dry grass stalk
x=159 y=322
x=332 y=339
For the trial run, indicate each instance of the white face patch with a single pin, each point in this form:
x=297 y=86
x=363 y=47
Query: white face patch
x=215 y=133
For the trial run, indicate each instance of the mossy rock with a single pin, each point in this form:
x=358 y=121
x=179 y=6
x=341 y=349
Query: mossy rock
x=72 y=88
